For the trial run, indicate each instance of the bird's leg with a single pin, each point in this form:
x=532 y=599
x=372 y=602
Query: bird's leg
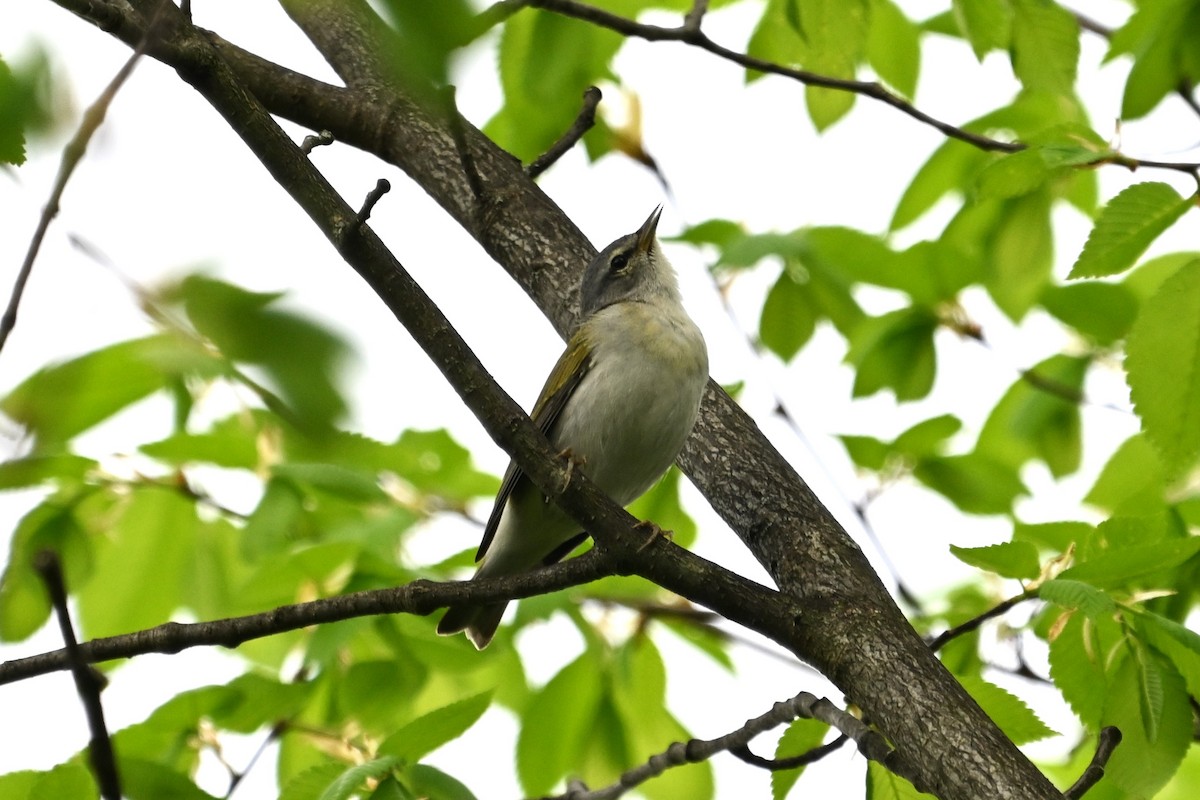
x=655 y=533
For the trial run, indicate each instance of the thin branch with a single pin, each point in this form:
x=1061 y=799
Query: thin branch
x=1109 y=738
x=973 y=624
x=695 y=17
x=790 y=762
x=418 y=597
x=73 y=153
x=313 y=141
x=803 y=705
x=87 y=681
x=236 y=778
x=582 y=124
x=876 y=91
x=459 y=132
x=382 y=187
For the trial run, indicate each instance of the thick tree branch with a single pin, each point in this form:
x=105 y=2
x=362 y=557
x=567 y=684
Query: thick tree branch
x=419 y=597
x=845 y=624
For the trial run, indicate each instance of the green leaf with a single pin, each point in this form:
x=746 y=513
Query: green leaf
x=352 y=780
x=310 y=783
x=719 y=232
x=1038 y=417
x=1132 y=482
x=894 y=47
x=1149 y=276
x=1077 y=662
x=928 y=436
x=433 y=462
x=354 y=485
x=1007 y=559
x=883 y=784
x=231 y=442
x=299 y=356
x=946 y=170
x=27 y=104
x=147 y=780
x=431 y=783
x=140 y=573
x=21 y=473
x=867 y=451
x=836 y=32
x=1021 y=172
x=1142 y=764
x=662 y=505
x=1120 y=566
x=1103 y=312
x=789 y=317
x=986 y=24
x=800 y=736
x=1126 y=227
x=1021 y=253
x=430 y=34
x=975 y=482
x=555 y=726
x=1017 y=720
x=895 y=351
x=1057 y=536
x=1175 y=642
x=59 y=402
x=24 y=606
x=1045 y=46
x=1077 y=595
x=432 y=730
x=1163 y=367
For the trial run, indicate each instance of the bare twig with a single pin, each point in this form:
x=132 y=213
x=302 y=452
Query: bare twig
x=695 y=37
x=87 y=681
x=462 y=146
x=417 y=597
x=313 y=141
x=694 y=17
x=73 y=153
x=790 y=762
x=803 y=705
x=582 y=124
x=1109 y=738
x=382 y=187
x=973 y=624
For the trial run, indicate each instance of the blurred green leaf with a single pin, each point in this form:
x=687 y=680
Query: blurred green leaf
x=661 y=505
x=986 y=24
x=1038 y=417
x=26 y=104
x=58 y=402
x=20 y=473
x=431 y=783
x=883 y=784
x=1163 y=364
x=1045 y=46
x=927 y=436
x=895 y=351
x=975 y=482
x=310 y=783
x=893 y=46
x=1126 y=227
x=52 y=525
x=430 y=731
x=231 y=442
x=147 y=780
x=1007 y=559
x=555 y=727
x=1101 y=311
x=1133 y=481
x=1020 y=248
x=800 y=736
x=430 y=33
x=1120 y=566
x=351 y=780
x=719 y=232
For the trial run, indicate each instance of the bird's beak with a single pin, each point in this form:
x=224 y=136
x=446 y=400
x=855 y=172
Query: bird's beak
x=645 y=234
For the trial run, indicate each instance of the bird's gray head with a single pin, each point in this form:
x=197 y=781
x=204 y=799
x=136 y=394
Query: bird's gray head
x=631 y=268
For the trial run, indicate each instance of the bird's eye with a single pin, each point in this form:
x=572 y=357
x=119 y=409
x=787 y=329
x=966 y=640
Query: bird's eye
x=619 y=262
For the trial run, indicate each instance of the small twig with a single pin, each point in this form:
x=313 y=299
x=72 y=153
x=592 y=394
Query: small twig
x=313 y=141
x=460 y=144
x=73 y=153
x=87 y=681
x=973 y=624
x=804 y=705
x=382 y=187
x=236 y=778
x=791 y=762
x=582 y=124
x=692 y=20
x=1109 y=738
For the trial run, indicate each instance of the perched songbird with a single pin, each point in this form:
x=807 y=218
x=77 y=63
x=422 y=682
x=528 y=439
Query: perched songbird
x=620 y=402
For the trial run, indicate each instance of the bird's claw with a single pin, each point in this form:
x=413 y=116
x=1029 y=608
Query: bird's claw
x=572 y=461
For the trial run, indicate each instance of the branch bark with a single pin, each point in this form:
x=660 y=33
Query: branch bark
x=842 y=619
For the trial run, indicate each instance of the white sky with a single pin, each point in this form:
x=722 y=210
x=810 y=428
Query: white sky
x=166 y=186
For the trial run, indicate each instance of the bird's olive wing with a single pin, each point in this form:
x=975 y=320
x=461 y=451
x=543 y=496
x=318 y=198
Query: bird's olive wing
x=572 y=365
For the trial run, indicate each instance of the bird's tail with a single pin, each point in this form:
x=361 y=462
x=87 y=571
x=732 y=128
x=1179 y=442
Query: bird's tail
x=479 y=622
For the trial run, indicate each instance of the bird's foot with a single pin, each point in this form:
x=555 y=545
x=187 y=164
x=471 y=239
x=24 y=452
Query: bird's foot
x=654 y=532
x=573 y=461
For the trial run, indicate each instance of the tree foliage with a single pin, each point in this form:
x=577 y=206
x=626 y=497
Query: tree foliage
x=357 y=705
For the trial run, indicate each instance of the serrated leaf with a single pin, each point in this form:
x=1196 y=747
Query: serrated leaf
x=1132 y=482
x=1007 y=559
x=1140 y=766
x=351 y=780
x=1126 y=227
x=800 y=736
x=430 y=731
x=1015 y=718
x=1162 y=363
x=1078 y=663
x=1119 y=566
x=1077 y=595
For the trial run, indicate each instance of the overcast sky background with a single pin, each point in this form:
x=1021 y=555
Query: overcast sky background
x=166 y=186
